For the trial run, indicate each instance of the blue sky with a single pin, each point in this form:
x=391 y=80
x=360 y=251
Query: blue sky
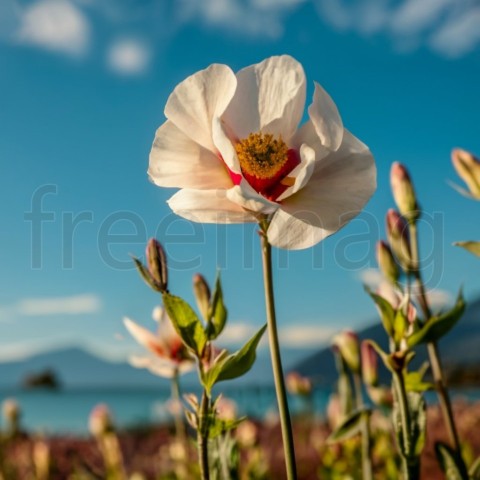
x=82 y=89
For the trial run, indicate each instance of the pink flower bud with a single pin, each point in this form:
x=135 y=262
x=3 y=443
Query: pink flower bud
x=202 y=294
x=468 y=169
x=397 y=232
x=297 y=384
x=347 y=344
x=403 y=191
x=381 y=396
x=100 y=421
x=334 y=411
x=157 y=265
x=369 y=364
x=387 y=264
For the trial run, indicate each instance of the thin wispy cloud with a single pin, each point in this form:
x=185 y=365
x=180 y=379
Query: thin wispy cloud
x=257 y=18
x=459 y=36
x=298 y=336
x=45 y=306
x=129 y=56
x=56 y=25
x=449 y=27
x=306 y=336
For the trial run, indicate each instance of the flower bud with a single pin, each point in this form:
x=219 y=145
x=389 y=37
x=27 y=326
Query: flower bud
x=397 y=232
x=41 y=459
x=403 y=191
x=381 y=396
x=347 y=344
x=468 y=169
x=335 y=416
x=387 y=264
x=157 y=265
x=100 y=421
x=247 y=434
x=297 y=384
x=369 y=364
x=201 y=291
x=11 y=412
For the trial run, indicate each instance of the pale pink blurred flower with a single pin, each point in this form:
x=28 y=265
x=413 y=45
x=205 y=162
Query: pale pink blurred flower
x=167 y=355
x=100 y=420
x=297 y=384
x=226 y=409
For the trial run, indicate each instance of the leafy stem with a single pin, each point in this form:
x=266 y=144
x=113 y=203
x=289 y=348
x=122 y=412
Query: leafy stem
x=435 y=361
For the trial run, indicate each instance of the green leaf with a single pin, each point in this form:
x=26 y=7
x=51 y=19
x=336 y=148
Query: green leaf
x=145 y=274
x=186 y=323
x=217 y=315
x=400 y=324
x=350 y=427
x=418 y=421
x=387 y=312
x=414 y=383
x=438 y=326
x=449 y=462
x=234 y=365
x=474 y=470
x=472 y=247
x=217 y=426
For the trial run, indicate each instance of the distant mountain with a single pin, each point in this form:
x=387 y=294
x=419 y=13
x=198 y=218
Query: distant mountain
x=459 y=349
x=76 y=368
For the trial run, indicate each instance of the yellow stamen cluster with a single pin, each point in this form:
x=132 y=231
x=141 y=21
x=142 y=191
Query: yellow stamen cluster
x=261 y=155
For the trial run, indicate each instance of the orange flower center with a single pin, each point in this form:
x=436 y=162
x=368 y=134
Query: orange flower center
x=261 y=155
x=265 y=162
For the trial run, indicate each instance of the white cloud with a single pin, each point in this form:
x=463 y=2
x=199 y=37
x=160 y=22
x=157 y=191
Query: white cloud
x=458 y=36
x=129 y=56
x=413 y=16
x=371 y=277
x=449 y=27
x=237 y=333
x=306 y=335
x=42 y=306
x=56 y=25
x=257 y=18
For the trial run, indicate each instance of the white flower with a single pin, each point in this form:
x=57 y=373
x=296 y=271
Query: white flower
x=167 y=354
x=231 y=142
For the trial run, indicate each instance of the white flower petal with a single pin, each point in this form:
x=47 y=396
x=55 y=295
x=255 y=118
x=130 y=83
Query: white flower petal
x=325 y=117
x=270 y=97
x=198 y=99
x=157 y=366
x=144 y=337
x=301 y=173
x=208 y=206
x=291 y=233
x=178 y=161
x=337 y=191
x=224 y=144
x=307 y=134
x=245 y=196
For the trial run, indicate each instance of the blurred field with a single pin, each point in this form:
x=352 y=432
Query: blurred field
x=153 y=453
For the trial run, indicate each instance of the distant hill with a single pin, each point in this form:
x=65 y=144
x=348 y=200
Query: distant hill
x=459 y=350
x=76 y=368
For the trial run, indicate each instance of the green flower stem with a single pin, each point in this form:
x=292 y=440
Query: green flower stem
x=410 y=461
x=435 y=362
x=285 y=423
x=202 y=436
x=366 y=444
